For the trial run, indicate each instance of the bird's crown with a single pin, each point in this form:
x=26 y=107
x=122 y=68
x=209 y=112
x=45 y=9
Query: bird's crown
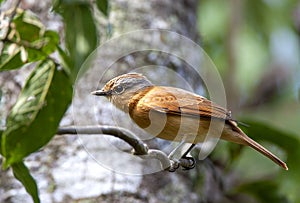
x=127 y=81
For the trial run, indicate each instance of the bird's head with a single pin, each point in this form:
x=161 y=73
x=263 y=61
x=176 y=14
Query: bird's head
x=120 y=89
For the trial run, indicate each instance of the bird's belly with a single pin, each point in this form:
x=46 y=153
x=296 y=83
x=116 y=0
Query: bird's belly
x=177 y=128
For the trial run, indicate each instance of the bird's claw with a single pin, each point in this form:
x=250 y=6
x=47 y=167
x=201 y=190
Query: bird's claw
x=174 y=166
x=187 y=163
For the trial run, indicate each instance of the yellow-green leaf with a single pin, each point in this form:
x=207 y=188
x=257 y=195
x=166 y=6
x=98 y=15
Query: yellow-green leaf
x=22 y=173
x=35 y=117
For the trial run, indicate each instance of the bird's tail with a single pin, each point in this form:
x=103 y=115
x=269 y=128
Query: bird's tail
x=248 y=141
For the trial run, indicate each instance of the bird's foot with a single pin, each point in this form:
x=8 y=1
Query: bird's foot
x=187 y=163
x=174 y=165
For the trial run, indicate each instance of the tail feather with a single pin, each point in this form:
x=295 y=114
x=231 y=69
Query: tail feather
x=265 y=152
x=251 y=143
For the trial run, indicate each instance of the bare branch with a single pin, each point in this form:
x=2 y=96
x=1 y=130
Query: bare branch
x=161 y=156
x=140 y=148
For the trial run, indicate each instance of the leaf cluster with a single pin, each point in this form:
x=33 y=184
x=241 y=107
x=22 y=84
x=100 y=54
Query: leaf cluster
x=47 y=93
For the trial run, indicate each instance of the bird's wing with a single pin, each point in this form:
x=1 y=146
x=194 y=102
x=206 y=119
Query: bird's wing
x=180 y=102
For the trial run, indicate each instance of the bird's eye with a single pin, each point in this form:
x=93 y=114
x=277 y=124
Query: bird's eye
x=119 y=89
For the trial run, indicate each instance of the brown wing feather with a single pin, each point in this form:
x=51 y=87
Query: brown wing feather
x=180 y=102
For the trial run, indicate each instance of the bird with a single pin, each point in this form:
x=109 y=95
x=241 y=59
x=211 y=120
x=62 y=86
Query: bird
x=175 y=114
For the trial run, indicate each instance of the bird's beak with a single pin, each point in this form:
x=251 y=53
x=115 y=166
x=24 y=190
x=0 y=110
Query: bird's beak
x=101 y=93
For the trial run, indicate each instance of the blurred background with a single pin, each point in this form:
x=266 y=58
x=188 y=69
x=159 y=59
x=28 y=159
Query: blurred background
x=255 y=46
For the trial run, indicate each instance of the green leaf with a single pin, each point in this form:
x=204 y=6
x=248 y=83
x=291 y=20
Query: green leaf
x=34 y=119
x=103 y=6
x=65 y=60
x=28 y=26
x=52 y=41
x=80 y=37
x=265 y=191
x=10 y=61
x=28 y=42
x=32 y=97
x=1 y=132
x=22 y=173
x=43 y=47
x=35 y=55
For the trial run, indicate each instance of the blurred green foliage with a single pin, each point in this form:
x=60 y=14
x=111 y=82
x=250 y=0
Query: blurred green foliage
x=81 y=38
x=255 y=45
x=35 y=117
x=258 y=26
